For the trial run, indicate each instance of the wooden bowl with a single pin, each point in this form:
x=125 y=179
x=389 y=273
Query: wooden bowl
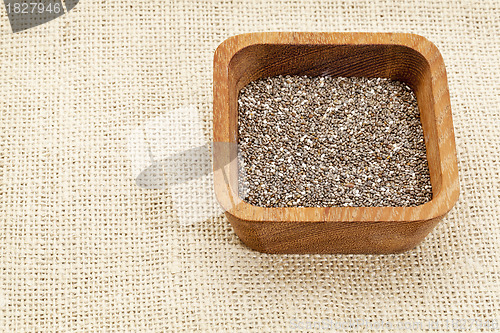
x=405 y=57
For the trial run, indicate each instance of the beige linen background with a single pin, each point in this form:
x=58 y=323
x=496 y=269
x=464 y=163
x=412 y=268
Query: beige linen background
x=83 y=248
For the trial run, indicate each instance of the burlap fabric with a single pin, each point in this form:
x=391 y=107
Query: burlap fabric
x=84 y=248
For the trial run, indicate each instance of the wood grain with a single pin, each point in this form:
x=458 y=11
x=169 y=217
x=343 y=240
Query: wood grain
x=405 y=57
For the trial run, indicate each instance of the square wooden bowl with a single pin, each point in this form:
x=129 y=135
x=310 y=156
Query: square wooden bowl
x=405 y=57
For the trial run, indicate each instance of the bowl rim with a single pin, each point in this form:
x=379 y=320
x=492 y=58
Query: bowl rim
x=437 y=207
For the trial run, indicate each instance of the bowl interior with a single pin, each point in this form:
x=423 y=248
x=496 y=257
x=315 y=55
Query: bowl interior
x=385 y=61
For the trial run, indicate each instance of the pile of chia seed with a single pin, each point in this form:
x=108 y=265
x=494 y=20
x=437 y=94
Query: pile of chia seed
x=331 y=141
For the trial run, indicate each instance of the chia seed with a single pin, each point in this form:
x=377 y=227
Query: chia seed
x=331 y=141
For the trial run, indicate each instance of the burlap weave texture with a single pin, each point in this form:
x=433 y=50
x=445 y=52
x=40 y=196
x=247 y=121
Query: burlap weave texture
x=83 y=248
